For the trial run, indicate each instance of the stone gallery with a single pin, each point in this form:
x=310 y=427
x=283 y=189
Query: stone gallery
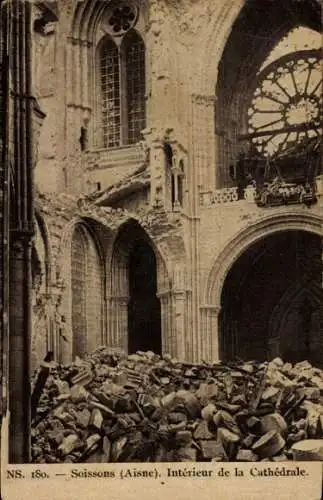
x=164 y=186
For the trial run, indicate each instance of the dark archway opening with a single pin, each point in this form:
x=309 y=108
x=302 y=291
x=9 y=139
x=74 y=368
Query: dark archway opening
x=272 y=300
x=144 y=311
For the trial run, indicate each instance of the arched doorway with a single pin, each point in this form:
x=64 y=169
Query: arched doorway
x=135 y=310
x=144 y=313
x=86 y=291
x=272 y=300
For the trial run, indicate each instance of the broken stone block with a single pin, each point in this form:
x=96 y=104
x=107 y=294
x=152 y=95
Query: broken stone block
x=104 y=399
x=217 y=419
x=183 y=437
x=229 y=407
x=318 y=382
x=78 y=393
x=248 y=441
x=106 y=448
x=270 y=394
x=287 y=368
x=227 y=421
x=246 y=456
x=83 y=378
x=96 y=419
x=190 y=401
x=229 y=441
x=278 y=379
x=111 y=389
x=62 y=386
x=69 y=444
x=92 y=441
x=308 y=450
x=120 y=378
x=277 y=362
x=186 y=454
x=302 y=365
x=176 y=417
x=104 y=409
x=247 y=367
x=206 y=392
x=103 y=371
x=312 y=419
x=56 y=437
x=169 y=400
x=212 y=449
x=208 y=412
x=65 y=417
x=269 y=444
x=310 y=393
x=203 y=432
x=117 y=448
x=274 y=422
x=83 y=418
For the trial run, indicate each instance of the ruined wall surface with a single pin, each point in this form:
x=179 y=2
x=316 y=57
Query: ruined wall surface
x=184 y=41
x=52 y=307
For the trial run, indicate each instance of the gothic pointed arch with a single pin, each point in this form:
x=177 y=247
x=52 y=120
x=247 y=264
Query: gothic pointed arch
x=86 y=292
x=241 y=118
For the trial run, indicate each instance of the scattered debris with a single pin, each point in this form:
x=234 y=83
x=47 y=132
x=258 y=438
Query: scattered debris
x=109 y=407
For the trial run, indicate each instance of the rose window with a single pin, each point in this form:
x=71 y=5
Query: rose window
x=286 y=106
x=120 y=18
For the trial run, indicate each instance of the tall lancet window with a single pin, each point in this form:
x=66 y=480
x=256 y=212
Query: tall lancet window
x=122 y=83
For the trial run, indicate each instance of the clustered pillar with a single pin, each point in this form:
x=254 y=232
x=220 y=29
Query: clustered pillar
x=21 y=217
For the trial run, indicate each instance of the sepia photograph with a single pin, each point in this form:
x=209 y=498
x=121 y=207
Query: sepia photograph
x=162 y=235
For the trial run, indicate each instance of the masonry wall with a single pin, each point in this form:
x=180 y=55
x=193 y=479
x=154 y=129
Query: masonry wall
x=184 y=41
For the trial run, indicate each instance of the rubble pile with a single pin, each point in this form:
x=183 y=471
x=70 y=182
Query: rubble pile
x=110 y=407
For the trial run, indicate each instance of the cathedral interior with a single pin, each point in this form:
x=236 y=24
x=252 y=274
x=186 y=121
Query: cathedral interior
x=162 y=184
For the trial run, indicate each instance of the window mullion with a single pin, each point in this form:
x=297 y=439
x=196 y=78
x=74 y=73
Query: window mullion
x=123 y=98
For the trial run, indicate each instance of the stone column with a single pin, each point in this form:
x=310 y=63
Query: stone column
x=117 y=323
x=122 y=326
x=166 y=321
x=210 y=346
x=179 y=298
x=203 y=111
x=19 y=350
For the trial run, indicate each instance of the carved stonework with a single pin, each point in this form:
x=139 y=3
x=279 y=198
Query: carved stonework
x=120 y=17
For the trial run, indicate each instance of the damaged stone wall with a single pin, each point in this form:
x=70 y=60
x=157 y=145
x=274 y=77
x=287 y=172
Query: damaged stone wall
x=185 y=42
x=61 y=214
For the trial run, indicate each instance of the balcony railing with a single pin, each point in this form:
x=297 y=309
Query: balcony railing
x=270 y=195
x=227 y=195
